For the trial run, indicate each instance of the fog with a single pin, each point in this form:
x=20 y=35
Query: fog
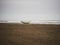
x=29 y=10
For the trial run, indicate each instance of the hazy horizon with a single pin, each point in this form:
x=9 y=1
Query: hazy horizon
x=30 y=10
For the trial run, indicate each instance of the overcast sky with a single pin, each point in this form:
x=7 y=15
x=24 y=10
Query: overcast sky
x=29 y=10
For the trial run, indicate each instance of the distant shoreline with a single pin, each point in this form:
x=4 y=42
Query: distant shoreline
x=39 y=22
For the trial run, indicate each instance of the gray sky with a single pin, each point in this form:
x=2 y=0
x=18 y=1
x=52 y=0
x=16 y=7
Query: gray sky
x=33 y=10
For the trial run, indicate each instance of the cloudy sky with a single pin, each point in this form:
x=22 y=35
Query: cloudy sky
x=29 y=10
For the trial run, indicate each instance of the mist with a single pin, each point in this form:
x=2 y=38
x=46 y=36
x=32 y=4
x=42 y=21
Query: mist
x=30 y=10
